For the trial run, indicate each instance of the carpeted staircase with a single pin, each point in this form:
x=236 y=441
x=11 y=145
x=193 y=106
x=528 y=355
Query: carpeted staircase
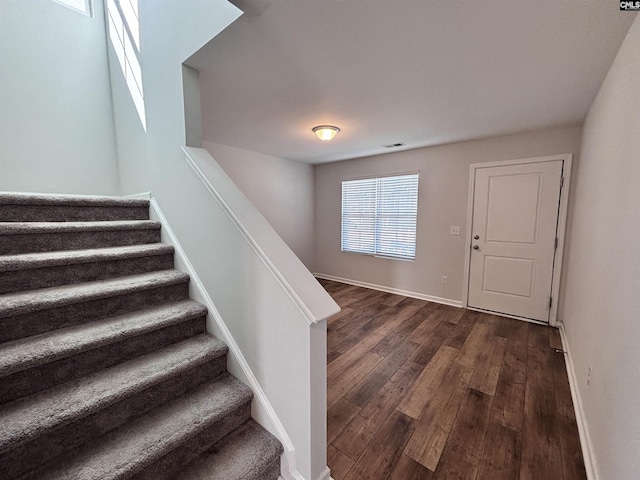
x=106 y=369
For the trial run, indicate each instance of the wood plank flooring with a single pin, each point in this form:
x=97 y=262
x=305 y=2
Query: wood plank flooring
x=422 y=391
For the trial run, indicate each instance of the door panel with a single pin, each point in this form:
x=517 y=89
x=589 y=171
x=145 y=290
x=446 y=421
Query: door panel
x=512 y=213
x=509 y=276
x=515 y=216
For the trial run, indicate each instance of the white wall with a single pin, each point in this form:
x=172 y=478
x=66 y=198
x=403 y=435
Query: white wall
x=56 y=122
x=281 y=189
x=602 y=304
x=262 y=292
x=192 y=106
x=170 y=32
x=442 y=203
x=260 y=315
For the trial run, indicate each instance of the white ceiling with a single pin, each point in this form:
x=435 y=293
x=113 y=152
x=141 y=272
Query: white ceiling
x=421 y=72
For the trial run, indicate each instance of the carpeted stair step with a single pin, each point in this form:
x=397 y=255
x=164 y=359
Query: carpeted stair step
x=30 y=271
x=29 y=237
x=38 y=428
x=36 y=311
x=45 y=208
x=248 y=453
x=161 y=443
x=35 y=363
x=106 y=369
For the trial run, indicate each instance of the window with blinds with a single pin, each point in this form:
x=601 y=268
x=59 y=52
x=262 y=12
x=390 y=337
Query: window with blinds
x=379 y=216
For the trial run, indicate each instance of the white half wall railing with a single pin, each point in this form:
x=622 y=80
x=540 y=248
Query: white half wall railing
x=264 y=303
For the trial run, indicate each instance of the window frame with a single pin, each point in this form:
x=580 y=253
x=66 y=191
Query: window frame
x=87 y=11
x=123 y=31
x=374 y=231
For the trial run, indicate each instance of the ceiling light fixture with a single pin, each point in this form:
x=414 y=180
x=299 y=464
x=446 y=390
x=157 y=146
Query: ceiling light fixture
x=325 y=132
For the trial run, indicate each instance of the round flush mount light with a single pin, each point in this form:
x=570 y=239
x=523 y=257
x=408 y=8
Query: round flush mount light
x=325 y=132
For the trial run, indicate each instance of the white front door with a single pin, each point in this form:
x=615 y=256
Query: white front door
x=513 y=238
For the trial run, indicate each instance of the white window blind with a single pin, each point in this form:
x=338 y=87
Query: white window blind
x=379 y=216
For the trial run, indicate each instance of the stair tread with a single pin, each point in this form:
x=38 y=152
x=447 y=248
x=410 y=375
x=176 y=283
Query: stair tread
x=51 y=297
x=24 y=261
x=176 y=425
x=18 y=228
x=29 y=417
x=138 y=444
x=29 y=352
x=70 y=200
x=243 y=455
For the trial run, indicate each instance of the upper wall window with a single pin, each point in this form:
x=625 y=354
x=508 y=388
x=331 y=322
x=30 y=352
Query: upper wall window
x=124 y=32
x=379 y=216
x=82 y=6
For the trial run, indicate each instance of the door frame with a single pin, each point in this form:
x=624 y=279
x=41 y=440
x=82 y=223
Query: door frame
x=567 y=158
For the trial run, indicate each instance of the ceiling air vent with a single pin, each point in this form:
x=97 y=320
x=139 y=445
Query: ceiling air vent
x=394 y=145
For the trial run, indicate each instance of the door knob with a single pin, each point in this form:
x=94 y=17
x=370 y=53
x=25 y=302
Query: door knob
x=476 y=247
x=476 y=237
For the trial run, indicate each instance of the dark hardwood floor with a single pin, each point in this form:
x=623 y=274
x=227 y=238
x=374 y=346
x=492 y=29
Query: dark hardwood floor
x=418 y=390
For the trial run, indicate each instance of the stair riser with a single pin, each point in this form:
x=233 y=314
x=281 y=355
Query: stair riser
x=49 y=242
x=46 y=447
x=60 y=421
x=168 y=467
x=33 y=323
x=61 y=213
x=51 y=374
x=272 y=473
x=30 y=279
x=248 y=453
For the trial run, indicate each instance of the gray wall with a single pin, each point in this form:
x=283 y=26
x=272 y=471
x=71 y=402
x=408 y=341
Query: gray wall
x=602 y=303
x=282 y=190
x=56 y=122
x=442 y=203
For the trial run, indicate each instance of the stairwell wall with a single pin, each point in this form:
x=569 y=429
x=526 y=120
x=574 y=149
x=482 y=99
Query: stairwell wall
x=276 y=341
x=281 y=189
x=170 y=32
x=56 y=122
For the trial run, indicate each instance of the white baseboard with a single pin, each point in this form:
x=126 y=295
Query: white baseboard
x=141 y=195
x=262 y=410
x=325 y=475
x=590 y=463
x=397 y=291
x=61 y=195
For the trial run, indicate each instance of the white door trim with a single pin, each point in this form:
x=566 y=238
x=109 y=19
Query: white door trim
x=562 y=221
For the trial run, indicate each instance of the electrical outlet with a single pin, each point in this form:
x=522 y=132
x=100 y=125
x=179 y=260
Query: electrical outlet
x=445 y=280
x=589 y=376
x=454 y=230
